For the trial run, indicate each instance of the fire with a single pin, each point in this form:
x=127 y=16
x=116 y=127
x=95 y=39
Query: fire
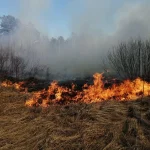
x=128 y=90
x=54 y=93
x=7 y=83
x=18 y=86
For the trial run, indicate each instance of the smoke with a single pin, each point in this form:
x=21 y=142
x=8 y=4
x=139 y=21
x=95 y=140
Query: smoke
x=105 y=18
x=97 y=26
x=100 y=25
x=91 y=17
x=33 y=11
x=133 y=21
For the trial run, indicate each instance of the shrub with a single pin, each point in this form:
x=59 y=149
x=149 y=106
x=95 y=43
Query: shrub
x=131 y=59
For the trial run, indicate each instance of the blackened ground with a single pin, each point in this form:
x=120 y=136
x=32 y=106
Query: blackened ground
x=34 y=84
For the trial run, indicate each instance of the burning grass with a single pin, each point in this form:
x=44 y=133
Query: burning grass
x=128 y=90
x=106 y=125
x=115 y=121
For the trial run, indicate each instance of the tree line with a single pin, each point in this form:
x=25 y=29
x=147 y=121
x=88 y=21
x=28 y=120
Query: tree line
x=129 y=59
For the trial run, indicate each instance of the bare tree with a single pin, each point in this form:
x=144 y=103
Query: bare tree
x=131 y=59
x=18 y=66
x=4 y=56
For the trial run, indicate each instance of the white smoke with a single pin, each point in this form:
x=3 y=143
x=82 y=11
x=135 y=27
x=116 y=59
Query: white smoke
x=96 y=31
x=33 y=10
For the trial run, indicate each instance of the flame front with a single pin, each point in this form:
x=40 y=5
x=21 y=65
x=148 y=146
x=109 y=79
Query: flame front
x=18 y=86
x=128 y=90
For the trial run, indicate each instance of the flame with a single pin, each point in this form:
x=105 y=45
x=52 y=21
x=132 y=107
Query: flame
x=7 y=83
x=18 y=86
x=128 y=90
x=54 y=93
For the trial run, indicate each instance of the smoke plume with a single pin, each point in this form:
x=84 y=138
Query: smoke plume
x=97 y=26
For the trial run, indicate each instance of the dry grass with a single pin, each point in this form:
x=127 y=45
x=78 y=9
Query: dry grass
x=110 y=125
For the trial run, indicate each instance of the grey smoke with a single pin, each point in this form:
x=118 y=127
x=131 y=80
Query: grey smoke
x=95 y=33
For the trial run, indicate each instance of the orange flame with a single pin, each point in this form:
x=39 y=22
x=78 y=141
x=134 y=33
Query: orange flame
x=17 y=86
x=7 y=83
x=128 y=90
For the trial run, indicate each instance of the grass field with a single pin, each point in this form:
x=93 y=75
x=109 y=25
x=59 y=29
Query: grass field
x=109 y=125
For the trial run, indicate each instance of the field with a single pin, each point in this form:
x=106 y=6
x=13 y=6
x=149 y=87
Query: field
x=109 y=125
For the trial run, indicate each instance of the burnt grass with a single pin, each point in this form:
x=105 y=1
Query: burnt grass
x=109 y=125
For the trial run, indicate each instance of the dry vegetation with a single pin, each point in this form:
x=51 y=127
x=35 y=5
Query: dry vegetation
x=109 y=125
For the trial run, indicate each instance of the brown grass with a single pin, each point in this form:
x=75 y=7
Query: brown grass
x=109 y=125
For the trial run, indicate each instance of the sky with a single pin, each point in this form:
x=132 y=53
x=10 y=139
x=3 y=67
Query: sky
x=60 y=17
